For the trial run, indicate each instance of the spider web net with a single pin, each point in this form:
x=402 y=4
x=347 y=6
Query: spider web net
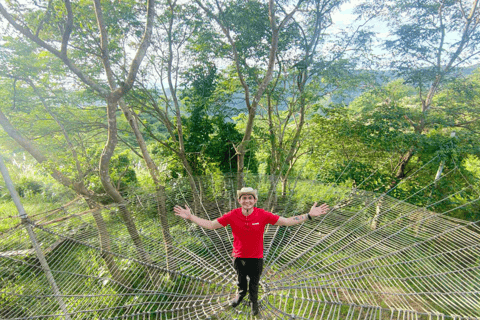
x=371 y=257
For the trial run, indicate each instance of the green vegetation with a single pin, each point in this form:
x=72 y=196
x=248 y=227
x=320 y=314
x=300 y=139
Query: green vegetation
x=207 y=102
x=128 y=107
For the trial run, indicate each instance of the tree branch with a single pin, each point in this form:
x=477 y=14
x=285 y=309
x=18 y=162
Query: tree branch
x=141 y=51
x=26 y=32
x=68 y=27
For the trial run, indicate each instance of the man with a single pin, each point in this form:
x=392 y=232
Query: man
x=248 y=226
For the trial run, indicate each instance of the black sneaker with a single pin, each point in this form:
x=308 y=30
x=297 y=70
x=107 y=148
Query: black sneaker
x=235 y=302
x=254 y=308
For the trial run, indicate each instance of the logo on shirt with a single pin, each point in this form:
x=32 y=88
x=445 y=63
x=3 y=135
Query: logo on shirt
x=254 y=224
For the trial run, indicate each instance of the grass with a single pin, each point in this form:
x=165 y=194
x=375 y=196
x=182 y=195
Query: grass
x=33 y=205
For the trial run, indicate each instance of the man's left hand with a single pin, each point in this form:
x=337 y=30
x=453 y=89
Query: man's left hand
x=317 y=211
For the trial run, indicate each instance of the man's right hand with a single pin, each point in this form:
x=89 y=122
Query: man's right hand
x=181 y=212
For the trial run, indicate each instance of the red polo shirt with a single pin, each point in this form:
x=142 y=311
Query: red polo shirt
x=248 y=231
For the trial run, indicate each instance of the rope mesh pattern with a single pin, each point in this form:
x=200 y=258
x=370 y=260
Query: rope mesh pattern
x=370 y=257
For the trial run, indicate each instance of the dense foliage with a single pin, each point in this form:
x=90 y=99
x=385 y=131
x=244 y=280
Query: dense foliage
x=278 y=88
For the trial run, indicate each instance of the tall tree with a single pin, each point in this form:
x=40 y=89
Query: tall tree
x=252 y=50
x=158 y=92
x=71 y=176
x=430 y=41
x=311 y=75
x=67 y=31
x=372 y=134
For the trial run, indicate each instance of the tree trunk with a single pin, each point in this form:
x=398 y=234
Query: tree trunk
x=240 y=167
x=191 y=180
x=110 y=189
x=159 y=188
x=105 y=247
x=400 y=174
x=167 y=238
x=284 y=185
x=271 y=202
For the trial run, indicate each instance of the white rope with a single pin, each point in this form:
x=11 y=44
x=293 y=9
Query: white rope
x=414 y=264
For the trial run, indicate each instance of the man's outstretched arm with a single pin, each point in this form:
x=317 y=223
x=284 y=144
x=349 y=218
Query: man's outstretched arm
x=314 y=212
x=185 y=213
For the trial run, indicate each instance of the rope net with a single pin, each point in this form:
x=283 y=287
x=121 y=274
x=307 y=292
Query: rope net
x=371 y=257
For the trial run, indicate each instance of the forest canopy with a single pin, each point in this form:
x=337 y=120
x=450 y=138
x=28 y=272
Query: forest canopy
x=106 y=99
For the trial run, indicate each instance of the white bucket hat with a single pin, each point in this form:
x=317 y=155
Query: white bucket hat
x=247 y=190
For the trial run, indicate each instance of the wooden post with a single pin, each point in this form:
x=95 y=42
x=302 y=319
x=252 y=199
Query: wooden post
x=33 y=238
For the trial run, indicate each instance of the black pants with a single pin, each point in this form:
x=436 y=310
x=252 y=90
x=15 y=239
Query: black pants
x=251 y=267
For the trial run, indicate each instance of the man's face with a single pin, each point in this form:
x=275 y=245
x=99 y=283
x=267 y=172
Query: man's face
x=247 y=201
